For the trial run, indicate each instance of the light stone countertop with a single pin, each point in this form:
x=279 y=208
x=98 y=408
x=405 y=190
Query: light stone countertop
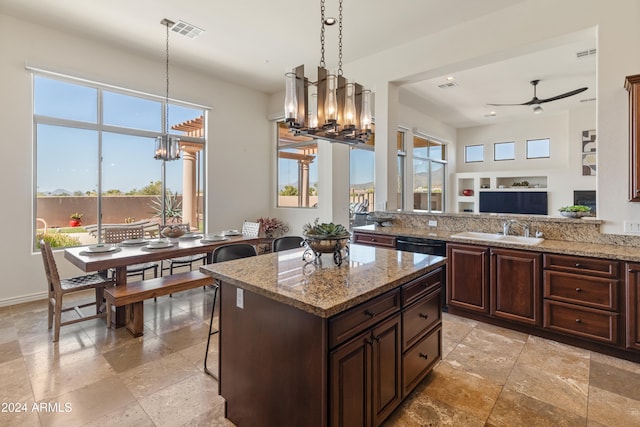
x=595 y=250
x=325 y=290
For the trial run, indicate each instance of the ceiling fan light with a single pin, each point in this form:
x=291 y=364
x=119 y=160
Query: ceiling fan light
x=537 y=109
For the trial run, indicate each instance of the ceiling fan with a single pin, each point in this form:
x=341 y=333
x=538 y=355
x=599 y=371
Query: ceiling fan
x=536 y=101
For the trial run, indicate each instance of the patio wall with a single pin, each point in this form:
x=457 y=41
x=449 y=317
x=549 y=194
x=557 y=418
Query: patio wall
x=55 y=210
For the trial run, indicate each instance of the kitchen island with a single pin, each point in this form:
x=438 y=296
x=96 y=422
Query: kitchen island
x=316 y=344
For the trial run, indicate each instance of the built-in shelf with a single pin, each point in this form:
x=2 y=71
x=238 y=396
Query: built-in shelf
x=493 y=181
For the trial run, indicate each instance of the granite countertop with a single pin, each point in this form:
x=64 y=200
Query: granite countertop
x=325 y=290
x=596 y=250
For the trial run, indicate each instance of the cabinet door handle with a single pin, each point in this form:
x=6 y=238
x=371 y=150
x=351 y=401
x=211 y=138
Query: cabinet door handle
x=378 y=338
x=424 y=316
x=369 y=313
x=578 y=290
x=578 y=321
x=368 y=341
x=424 y=356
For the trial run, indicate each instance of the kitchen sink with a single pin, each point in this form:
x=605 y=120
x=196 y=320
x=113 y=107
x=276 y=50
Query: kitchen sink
x=498 y=237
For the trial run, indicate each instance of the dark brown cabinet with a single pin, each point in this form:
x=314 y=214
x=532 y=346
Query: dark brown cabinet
x=366 y=376
x=374 y=239
x=467 y=277
x=632 y=84
x=581 y=297
x=633 y=305
x=382 y=349
x=516 y=285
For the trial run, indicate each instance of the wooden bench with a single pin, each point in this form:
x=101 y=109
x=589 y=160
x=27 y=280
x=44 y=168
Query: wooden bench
x=132 y=295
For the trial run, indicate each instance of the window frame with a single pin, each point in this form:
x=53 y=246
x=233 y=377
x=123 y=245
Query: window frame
x=466 y=153
x=548 y=148
x=495 y=146
x=101 y=128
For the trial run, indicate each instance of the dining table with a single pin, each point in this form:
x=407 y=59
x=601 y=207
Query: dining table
x=119 y=256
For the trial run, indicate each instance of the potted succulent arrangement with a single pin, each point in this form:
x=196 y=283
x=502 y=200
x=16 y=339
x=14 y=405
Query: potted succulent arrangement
x=575 y=211
x=76 y=219
x=324 y=237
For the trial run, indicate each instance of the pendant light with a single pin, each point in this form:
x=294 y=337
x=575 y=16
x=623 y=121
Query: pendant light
x=167 y=146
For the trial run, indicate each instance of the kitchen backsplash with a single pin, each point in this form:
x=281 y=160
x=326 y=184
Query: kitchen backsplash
x=553 y=228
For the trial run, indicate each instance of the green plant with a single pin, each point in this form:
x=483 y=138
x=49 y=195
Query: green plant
x=325 y=229
x=575 y=208
x=172 y=206
x=57 y=240
x=76 y=216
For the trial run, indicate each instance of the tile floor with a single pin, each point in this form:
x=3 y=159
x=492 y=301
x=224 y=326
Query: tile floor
x=97 y=377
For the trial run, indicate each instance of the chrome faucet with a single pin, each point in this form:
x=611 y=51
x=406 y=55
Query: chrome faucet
x=506 y=225
x=525 y=228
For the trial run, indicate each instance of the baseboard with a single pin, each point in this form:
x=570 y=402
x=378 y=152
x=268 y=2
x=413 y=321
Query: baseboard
x=22 y=299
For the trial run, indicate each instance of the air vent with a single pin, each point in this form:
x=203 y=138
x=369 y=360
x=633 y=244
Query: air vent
x=585 y=53
x=186 y=29
x=587 y=100
x=448 y=85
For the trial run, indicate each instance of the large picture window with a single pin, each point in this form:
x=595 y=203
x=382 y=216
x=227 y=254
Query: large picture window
x=94 y=160
x=428 y=175
x=362 y=164
x=297 y=169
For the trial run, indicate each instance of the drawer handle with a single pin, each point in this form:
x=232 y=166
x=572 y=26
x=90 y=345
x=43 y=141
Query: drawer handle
x=370 y=314
x=424 y=356
x=424 y=316
x=578 y=265
x=373 y=240
x=578 y=321
x=578 y=289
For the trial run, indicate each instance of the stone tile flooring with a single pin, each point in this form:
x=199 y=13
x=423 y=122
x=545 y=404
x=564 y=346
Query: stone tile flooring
x=98 y=377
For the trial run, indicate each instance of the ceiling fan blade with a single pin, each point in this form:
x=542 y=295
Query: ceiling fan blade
x=564 y=95
x=504 y=105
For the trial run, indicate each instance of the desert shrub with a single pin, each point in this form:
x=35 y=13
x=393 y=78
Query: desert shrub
x=58 y=240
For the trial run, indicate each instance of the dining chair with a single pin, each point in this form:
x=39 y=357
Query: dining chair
x=120 y=234
x=58 y=288
x=286 y=242
x=221 y=254
x=188 y=260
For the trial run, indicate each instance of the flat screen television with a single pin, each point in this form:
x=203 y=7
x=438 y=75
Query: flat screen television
x=518 y=202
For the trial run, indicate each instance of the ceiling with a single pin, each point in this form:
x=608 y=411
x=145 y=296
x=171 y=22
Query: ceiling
x=253 y=42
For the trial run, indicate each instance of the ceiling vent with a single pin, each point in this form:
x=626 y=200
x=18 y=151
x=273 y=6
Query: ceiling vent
x=585 y=53
x=448 y=85
x=186 y=29
x=588 y=100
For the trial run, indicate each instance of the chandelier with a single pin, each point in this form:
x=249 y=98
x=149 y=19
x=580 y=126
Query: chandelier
x=167 y=146
x=342 y=110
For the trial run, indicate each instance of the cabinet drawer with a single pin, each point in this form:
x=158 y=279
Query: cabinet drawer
x=580 y=265
x=419 y=318
x=421 y=286
x=374 y=239
x=595 y=292
x=418 y=361
x=347 y=324
x=585 y=322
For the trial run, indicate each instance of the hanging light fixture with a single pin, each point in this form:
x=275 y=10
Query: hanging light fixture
x=341 y=111
x=167 y=146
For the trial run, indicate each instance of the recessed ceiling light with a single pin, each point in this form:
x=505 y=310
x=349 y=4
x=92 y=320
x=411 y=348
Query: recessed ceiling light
x=450 y=78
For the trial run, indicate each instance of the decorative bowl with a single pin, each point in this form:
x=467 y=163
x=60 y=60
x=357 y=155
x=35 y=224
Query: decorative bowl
x=173 y=232
x=574 y=214
x=326 y=244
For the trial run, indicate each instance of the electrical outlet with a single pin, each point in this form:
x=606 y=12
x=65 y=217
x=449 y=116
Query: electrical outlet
x=433 y=223
x=240 y=298
x=632 y=227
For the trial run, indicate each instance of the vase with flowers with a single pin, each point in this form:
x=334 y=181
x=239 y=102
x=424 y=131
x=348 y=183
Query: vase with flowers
x=273 y=227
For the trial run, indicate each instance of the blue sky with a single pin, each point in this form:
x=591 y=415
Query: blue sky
x=68 y=157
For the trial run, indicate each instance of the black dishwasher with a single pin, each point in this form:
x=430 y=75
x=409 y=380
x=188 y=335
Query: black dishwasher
x=426 y=246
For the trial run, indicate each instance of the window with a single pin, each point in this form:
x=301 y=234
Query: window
x=402 y=155
x=361 y=182
x=428 y=175
x=94 y=156
x=504 y=151
x=297 y=169
x=538 y=148
x=473 y=153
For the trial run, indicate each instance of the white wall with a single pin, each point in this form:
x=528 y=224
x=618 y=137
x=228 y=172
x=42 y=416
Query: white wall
x=515 y=29
x=236 y=151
